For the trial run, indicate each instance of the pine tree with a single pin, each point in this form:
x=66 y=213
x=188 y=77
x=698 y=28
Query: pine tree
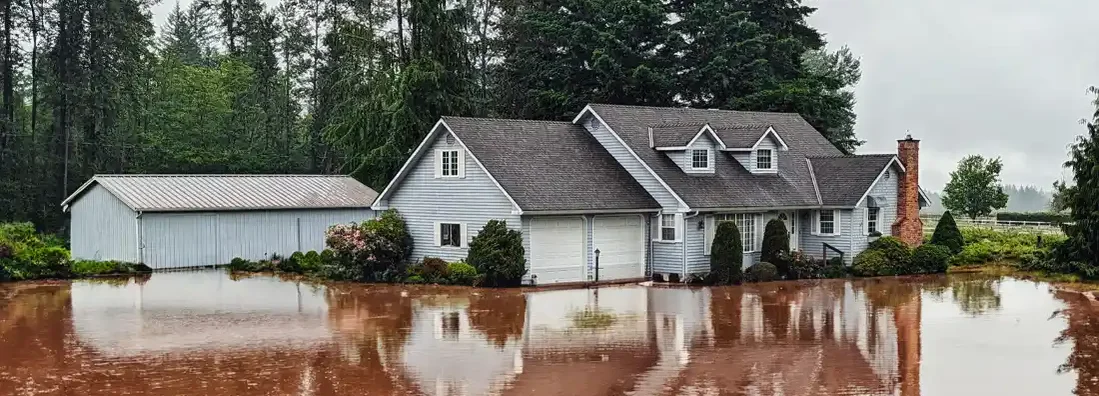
x=776 y=246
x=727 y=255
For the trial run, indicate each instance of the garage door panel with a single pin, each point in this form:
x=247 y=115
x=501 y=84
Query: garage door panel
x=557 y=249
x=620 y=240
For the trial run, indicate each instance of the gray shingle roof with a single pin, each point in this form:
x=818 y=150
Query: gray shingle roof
x=155 y=193
x=547 y=166
x=674 y=135
x=843 y=179
x=731 y=185
x=740 y=136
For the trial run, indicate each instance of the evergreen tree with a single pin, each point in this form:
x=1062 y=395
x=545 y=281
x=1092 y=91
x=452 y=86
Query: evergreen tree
x=947 y=234
x=727 y=255
x=776 y=246
x=1083 y=243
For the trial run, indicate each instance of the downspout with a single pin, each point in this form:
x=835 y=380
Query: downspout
x=137 y=233
x=685 y=217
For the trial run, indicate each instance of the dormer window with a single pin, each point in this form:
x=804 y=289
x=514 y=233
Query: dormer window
x=765 y=159
x=700 y=159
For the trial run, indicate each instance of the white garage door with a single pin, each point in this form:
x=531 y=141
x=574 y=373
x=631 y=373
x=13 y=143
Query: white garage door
x=620 y=240
x=557 y=249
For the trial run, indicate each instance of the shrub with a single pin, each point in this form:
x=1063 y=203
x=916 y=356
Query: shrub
x=290 y=264
x=930 y=259
x=391 y=226
x=462 y=273
x=895 y=250
x=947 y=234
x=761 y=272
x=4 y=275
x=834 y=268
x=776 y=246
x=25 y=254
x=874 y=263
x=373 y=250
x=310 y=262
x=497 y=253
x=726 y=255
x=433 y=270
x=414 y=279
x=93 y=267
x=803 y=266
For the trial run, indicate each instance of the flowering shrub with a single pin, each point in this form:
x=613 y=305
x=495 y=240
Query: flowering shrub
x=372 y=251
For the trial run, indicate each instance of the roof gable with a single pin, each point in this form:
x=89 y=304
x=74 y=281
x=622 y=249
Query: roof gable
x=166 y=193
x=846 y=180
x=732 y=186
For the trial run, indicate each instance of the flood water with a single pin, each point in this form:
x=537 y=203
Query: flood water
x=203 y=333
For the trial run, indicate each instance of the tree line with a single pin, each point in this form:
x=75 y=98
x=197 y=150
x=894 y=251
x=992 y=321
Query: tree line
x=352 y=86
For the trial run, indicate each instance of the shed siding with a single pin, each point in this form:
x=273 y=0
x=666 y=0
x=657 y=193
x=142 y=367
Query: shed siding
x=424 y=200
x=103 y=228
x=630 y=163
x=176 y=240
x=812 y=244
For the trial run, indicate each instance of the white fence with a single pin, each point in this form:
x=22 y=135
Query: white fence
x=930 y=221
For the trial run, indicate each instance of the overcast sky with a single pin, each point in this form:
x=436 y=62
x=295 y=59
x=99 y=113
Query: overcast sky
x=1004 y=78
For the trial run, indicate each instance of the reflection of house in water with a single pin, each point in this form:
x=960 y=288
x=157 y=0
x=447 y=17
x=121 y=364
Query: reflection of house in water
x=771 y=339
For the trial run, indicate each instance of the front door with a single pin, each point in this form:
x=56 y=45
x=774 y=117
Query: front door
x=791 y=220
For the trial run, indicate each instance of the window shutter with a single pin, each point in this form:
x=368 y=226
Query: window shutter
x=438 y=174
x=866 y=221
x=465 y=236
x=679 y=229
x=839 y=222
x=461 y=166
x=709 y=232
x=815 y=229
x=438 y=234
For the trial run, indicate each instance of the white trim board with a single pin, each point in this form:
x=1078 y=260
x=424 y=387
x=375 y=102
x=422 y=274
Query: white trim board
x=892 y=161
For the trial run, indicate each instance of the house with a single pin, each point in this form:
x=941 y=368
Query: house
x=640 y=189
x=176 y=221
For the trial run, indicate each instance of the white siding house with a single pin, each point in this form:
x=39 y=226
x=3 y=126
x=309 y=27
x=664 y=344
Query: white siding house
x=178 y=221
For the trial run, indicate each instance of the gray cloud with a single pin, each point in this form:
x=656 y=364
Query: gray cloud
x=1003 y=78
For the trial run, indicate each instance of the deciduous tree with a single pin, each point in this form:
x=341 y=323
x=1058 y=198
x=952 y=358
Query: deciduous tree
x=974 y=188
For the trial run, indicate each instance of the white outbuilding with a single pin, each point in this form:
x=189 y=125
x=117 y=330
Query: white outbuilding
x=178 y=221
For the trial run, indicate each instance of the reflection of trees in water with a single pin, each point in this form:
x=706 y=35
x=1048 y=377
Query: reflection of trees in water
x=500 y=315
x=976 y=296
x=1083 y=332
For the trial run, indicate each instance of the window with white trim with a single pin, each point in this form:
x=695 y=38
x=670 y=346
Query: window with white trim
x=746 y=224
x=450 y=234
x=700 y=159
x=667 y=227
x=826 y=222
x=872 y=219
x=765 y=159
x=449 y=163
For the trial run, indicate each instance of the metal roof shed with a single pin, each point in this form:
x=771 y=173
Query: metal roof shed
x=177 y=221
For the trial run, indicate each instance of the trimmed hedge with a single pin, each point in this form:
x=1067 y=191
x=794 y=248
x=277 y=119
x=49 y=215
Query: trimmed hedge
x=726 y=255
x=776 y=246
x=874 y=263
x=947 y=234
x=761 y=272
x=1044 y=217
x=930 y=258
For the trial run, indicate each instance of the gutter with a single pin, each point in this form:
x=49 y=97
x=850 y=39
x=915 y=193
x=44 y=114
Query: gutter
x=140 y=244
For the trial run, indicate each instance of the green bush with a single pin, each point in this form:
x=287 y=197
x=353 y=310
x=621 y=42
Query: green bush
x=25 y=254
x=93 y=267
x=776 y=246
x=802 y=266
x=391 y=226
x=290 y=264
x=310 y=262
x=497 y=253
x=986 y=245
x=415 y=279
x=1043 y=217
x=898 y=253
x=874 y=263
x=761 y=272
x=947 y=234
x=432 y=269
x=376 y=250
x=462 y=273
x=930 y=259
x=834 y=268
x=726 y=255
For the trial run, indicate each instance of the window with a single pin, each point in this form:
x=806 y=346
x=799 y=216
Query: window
x=450 y=234
x=667 y=227
x=764 y=159
x=826 y=222
x=746 y=224
x=450 y=163
x=872 y=220
x=700 y=159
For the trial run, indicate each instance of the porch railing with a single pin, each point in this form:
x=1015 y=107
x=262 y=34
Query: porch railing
x=826 y=247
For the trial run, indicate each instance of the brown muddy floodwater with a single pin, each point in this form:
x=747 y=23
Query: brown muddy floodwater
x=203 y=333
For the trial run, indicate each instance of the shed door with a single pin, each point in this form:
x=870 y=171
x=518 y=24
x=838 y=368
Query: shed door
x=557 y=249
x=621 y=244
x=179 y=240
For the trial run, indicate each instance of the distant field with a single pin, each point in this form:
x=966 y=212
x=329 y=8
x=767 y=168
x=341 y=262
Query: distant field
x=931 y=220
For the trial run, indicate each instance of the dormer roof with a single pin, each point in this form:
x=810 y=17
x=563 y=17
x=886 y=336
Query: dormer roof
x=747 y=137
x=680 y=136
x=670 y=137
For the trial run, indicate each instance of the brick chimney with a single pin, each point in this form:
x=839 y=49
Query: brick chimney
x=909 y=227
